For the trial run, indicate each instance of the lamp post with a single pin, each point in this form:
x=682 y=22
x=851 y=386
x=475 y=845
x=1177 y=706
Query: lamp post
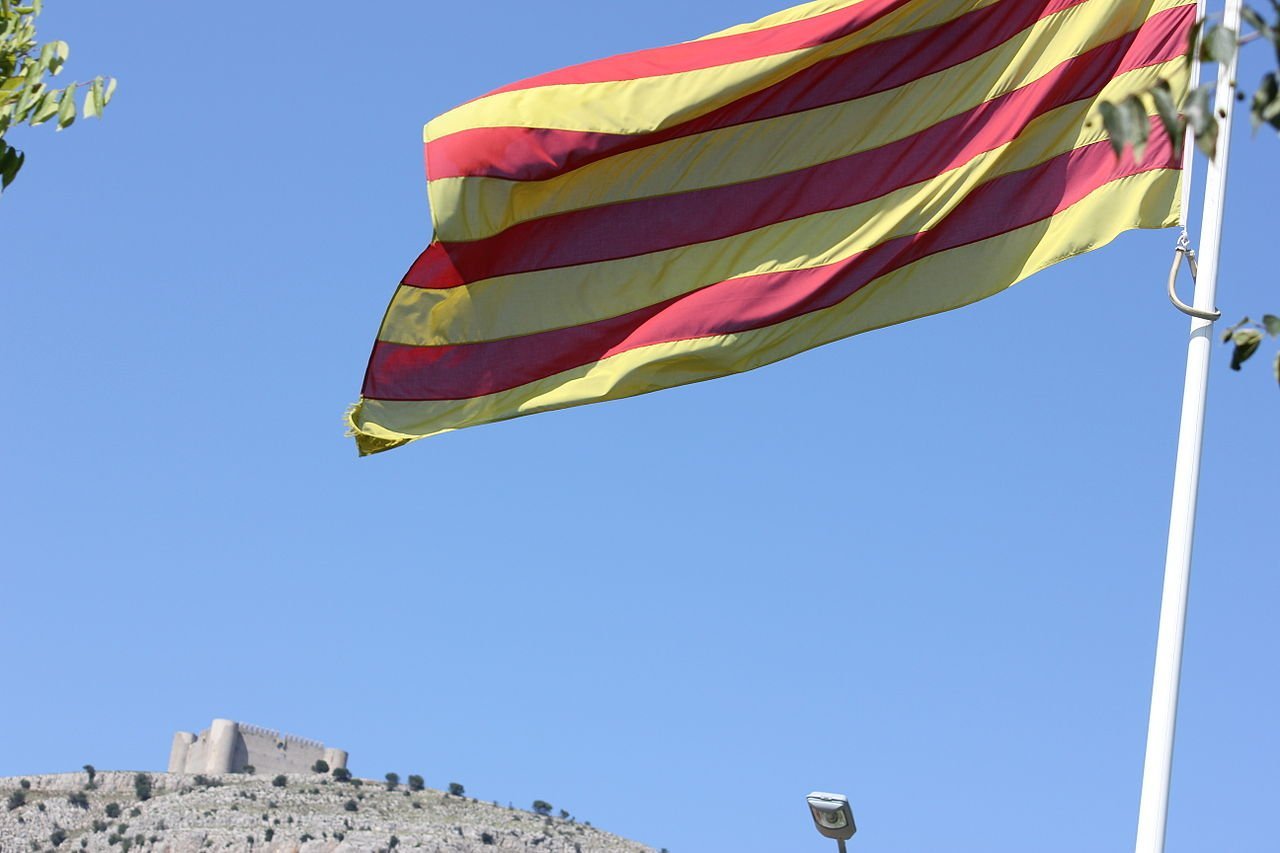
x=832 y=816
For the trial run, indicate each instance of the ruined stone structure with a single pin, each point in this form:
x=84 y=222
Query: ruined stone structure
x=230 y=747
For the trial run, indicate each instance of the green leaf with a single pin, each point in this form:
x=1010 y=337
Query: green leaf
x=1247 y=342
x=1219 y=45
x=9 y=170
x=1114 y=120
x=1198 y=109
x=1264 y=99
x=1174 y=127
x=1272 y=324
x=110 y=90
x=1275 y=366
x=46 y=109
x=67 y=107
x=93 y=100
x=1138 y=124
x=1226 y=336
x=1252 y=18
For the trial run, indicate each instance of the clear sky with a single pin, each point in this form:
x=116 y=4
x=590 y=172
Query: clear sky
x=921 y=566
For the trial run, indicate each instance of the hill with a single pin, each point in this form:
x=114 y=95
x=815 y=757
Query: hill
x=311 y=813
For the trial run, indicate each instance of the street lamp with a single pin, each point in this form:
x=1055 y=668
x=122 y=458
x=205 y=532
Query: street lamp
x=832 y=816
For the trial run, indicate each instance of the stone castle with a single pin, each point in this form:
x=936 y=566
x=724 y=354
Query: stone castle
x=230 y=747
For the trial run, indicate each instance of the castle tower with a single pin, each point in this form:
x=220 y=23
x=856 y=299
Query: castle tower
x=335 y=758
x=223 y=735
x=178 y=752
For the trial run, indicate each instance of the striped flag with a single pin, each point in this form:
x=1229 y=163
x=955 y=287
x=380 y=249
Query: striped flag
x=687 y=212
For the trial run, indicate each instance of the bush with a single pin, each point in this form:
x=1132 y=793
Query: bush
x=280 y=781
x=393 y=779
x=393 y=843
x=416 y=782
x=57 y=837
x=17 y=799
x=135 y=811
x=99 y=825
x=320 y=766
x=487 y=838
x=541 y=807
x=342 y=774
x=269 y=834
x=78 y=799
x=350 y=805
x=25 y=784
x=89 y=768
x=113 y=810
x=142 y=786
x=564 y=815
x=456 y=789
x=249 y=770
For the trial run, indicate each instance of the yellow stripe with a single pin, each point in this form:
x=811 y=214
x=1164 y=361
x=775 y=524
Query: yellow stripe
x=474 y=208
x=786 y=16
x=526 y=303
x=651 y=103
x=937 y=283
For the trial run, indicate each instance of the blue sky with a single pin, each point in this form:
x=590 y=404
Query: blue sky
x=921 y=566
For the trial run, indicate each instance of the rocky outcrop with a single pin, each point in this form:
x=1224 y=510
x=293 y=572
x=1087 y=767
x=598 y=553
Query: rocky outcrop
x=311 y=813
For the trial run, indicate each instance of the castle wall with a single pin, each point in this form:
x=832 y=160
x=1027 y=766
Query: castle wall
x=230 y=747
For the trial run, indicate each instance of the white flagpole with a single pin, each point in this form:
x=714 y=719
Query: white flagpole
x=1157 y=771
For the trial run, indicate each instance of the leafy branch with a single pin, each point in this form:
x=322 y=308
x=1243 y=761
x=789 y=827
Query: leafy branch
x=1127 y=126
x=25 y=97
x=1247 y=336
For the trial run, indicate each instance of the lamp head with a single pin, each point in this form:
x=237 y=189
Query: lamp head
x=831 y=815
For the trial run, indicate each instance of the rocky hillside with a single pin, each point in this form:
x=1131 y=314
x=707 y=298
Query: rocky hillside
x=309 y=814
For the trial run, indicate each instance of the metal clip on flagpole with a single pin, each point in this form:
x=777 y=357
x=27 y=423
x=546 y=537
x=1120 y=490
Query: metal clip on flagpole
x=1184 y=250
x=1157 y=770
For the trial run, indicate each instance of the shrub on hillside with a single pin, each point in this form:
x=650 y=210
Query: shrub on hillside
x=280 y=781
x=17 y=799
x=142 y=786
x=416 y=782
x=541 y=807
x=393 y=779
x=25 y=784
x=456 y=789
x=350 y=805
x=78 y=799
x=113 y=810
x=57 y=837
x=91 y=771
x=487 y=838
x=320 y=766
x=342 y=774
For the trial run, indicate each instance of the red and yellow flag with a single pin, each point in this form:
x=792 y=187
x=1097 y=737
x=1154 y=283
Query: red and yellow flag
x=678 y=214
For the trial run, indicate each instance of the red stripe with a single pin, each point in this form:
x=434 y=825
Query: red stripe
x=708 y=53
x=400 y=372
x=654 y=224
x=528 y=154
